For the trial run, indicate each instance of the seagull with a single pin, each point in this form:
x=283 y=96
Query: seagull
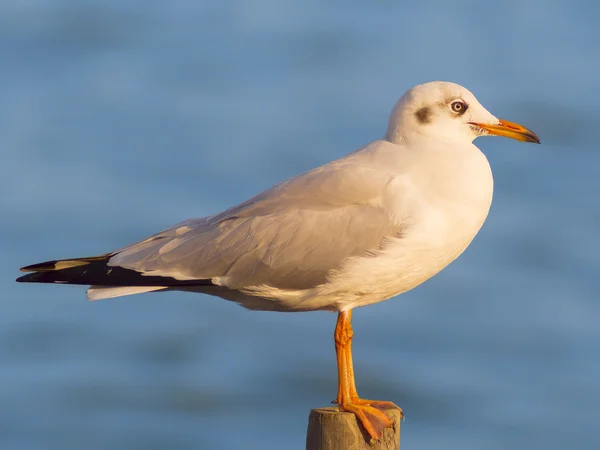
x=353 y=232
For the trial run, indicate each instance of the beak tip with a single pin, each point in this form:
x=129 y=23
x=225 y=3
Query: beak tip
x=511 y=130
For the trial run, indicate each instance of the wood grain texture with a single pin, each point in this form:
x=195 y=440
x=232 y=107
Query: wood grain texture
x=330 y=429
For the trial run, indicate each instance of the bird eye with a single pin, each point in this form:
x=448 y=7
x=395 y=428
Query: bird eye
x=458 y=107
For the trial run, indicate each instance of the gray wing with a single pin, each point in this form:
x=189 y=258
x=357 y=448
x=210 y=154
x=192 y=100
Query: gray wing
x=289 y=237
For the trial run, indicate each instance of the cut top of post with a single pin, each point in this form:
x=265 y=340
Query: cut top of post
x=331 y=429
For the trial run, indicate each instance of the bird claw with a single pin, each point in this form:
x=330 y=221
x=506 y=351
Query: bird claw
x=371 y=415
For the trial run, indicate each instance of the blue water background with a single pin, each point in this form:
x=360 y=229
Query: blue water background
x=121 y=118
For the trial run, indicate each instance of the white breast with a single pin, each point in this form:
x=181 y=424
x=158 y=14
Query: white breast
x=443 y=203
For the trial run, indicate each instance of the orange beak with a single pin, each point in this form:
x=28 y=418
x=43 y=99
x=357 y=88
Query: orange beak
x=510 y=130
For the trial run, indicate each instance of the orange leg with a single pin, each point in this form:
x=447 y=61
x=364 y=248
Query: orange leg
x=368 y=412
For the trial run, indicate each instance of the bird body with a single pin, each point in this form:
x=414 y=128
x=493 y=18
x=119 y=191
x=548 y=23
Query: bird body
x=387 y=242
x=381 y=220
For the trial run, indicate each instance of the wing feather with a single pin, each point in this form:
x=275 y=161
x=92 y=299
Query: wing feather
x=289 y=237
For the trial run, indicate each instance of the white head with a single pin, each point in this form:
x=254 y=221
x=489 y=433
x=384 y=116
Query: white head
x=446 y=110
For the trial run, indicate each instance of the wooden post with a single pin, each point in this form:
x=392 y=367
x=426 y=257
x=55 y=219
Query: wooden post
x=330 y=429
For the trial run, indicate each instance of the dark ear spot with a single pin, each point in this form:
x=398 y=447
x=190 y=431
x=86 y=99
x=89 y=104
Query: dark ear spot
x=423 y=115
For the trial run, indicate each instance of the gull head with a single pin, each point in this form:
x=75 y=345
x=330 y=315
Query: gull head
x=448 y=111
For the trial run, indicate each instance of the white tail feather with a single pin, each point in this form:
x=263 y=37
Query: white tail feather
x=102 y=292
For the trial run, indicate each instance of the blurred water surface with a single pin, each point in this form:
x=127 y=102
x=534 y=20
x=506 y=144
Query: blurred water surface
x=120 y=118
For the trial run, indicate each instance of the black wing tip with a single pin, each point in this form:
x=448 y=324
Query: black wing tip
x=51 y=271
x=34 y=277
x=93 y=271
x=46 y=265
